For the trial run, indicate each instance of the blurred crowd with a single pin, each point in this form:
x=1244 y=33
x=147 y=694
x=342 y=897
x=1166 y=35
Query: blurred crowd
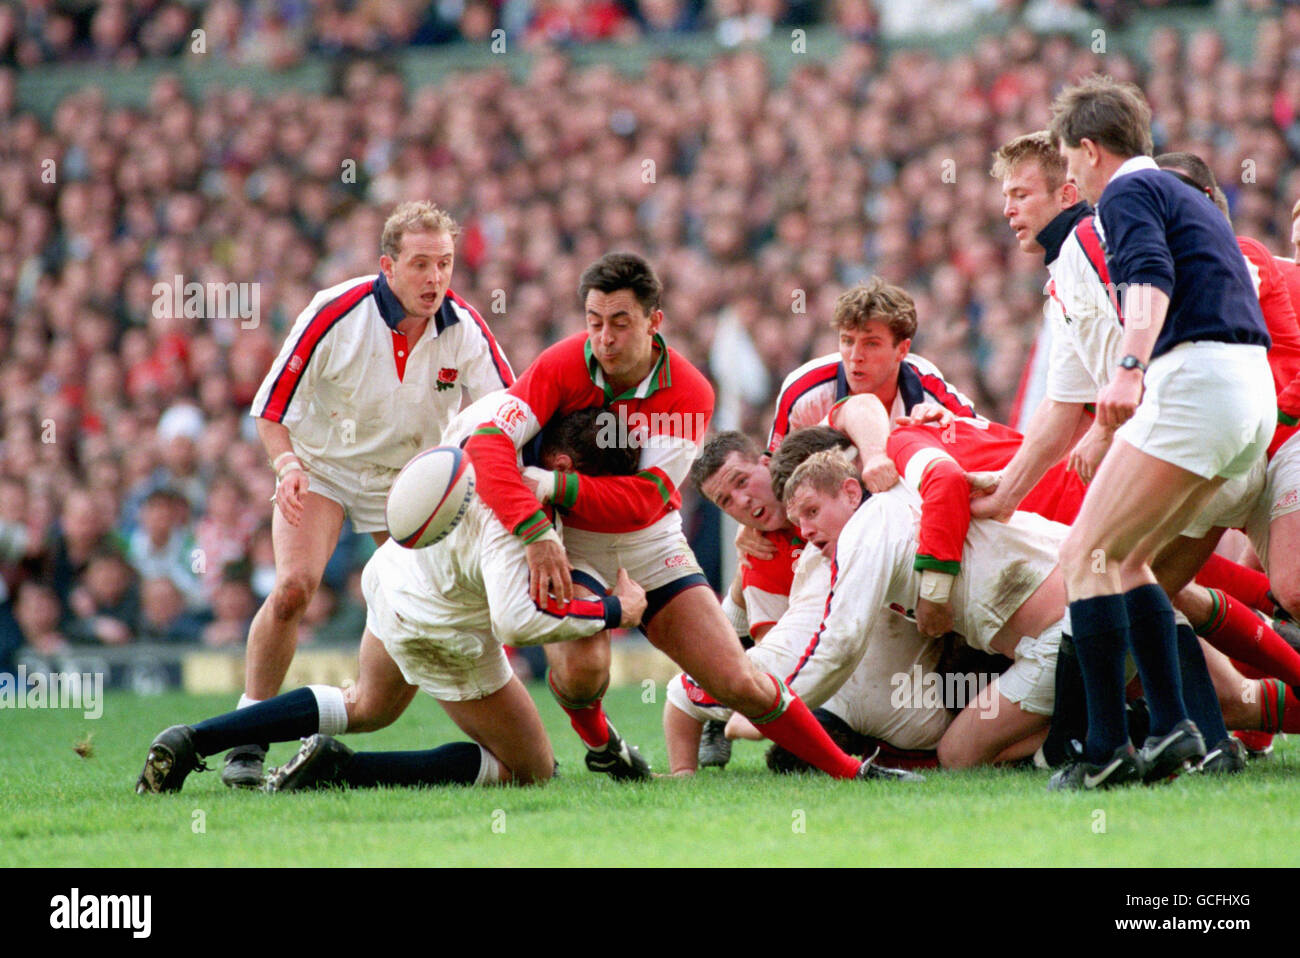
x=134 y=498
x=279 y=33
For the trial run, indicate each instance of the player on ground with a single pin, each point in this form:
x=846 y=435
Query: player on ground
x=369 y=375
x=1208 y=415
x=435 y=620
x=782 y=604
x=653 y=394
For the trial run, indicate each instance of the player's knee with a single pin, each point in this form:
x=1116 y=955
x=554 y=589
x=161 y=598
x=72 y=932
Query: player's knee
x=534 y=770
x=290 y=596
x=1287 y=593
x=957 y=752
x=366 y=715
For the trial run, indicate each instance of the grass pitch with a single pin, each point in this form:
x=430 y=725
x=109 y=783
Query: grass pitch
x=60 y=809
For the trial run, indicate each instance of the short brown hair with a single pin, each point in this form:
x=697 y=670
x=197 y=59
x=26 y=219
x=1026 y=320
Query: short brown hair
x=1111 y=113
x=824 y=471
x=615 y=271
x=1196 y=173
x=876 y=300
x=716 y=452
x=1036 y=147
x=797 y=447
x=414 y=216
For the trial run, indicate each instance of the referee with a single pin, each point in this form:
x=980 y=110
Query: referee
x=1194 y=404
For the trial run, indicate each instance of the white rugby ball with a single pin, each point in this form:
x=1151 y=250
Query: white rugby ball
x=429 y=496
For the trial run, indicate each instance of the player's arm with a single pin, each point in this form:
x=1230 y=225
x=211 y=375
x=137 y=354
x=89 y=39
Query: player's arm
x=1051 y=432
x=863 y=419
x=291 y=481
x=484 y=364
x=494 y=449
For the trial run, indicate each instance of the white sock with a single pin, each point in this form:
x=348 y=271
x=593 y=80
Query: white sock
x=489 y=771
x=245 y=702
x=333 y=709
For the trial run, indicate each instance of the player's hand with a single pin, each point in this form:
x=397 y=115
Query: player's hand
x=1086 y=457
x=751 y=543
x=879 y=474
x=540 y=482
x=933 y=619
x=1119 y=398
x=632 y=597
x=985 y=503
x=927 y=412
x=289 y=495
x=548 y=572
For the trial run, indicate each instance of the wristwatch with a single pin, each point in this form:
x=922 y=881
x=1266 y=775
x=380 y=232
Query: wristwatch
x=1132 y=362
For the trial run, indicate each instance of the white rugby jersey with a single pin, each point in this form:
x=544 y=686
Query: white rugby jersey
x=808 y=393
x=1087 y=334
x=349 y=390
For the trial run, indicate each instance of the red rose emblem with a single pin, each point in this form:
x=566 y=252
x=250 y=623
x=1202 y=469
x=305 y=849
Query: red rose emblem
x=446 y=378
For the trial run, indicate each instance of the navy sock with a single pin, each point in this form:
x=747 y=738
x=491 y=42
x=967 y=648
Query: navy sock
x=281 y=719
x=1100 y=627
x=1154 y=641
x=457 y=763
x=1070 y=711
x=1198 y=689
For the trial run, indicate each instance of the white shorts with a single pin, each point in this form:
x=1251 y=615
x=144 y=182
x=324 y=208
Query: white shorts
x=363 y=493
x=1233 y=504
x=444 y=646
x=654 y=557
x=1031 y=681
x=1209 y=408
x=1281 y=496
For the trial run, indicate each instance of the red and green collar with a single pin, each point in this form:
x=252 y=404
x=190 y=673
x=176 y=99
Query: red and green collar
x=659 y=377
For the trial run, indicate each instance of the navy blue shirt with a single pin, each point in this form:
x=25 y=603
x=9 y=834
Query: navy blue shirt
x=1158 y=230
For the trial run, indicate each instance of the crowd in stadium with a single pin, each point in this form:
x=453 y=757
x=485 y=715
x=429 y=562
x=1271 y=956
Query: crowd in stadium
x=133 y=492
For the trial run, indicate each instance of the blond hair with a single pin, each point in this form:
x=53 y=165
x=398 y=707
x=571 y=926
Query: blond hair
x=1034 y=147
x=414 y=216
x=876 y=300
x=824 y=471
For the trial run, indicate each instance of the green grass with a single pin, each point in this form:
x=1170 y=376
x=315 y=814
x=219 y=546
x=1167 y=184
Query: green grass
x=58 y=809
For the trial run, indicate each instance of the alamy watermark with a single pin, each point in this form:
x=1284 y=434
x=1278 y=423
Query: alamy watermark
x=179 y=299
x=919 y=689
x=620 y=429
x=53 y=690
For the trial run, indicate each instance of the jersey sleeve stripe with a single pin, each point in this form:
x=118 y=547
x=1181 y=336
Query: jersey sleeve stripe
x=817 y=636
x=286 y=382
x=948 y=397
x=796 y=391
x=1096 y=257
x=498 y=357
x=660 y=480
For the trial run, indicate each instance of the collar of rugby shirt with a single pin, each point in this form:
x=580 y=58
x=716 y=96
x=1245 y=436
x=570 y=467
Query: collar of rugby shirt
x=390 y=308
x=659 y=377
x=1054 y=234
x=1132 y=165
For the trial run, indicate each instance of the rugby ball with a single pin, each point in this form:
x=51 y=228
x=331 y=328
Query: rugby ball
x=429 y=497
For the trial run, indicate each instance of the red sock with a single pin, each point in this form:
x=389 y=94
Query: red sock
x=790 y=724
x=1241 y=583
x=1255 y=741
x=1274 y=716
x=587 y=718
x=1240 y=634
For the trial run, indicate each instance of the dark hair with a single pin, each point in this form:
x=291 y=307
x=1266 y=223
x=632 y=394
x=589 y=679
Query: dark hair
x=578 y=435
x=1196 y=173
x=1111 y=113
x=716 y=451
x=797 y=447
x=615 y=271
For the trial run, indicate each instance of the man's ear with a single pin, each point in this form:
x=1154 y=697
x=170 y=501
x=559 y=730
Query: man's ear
x=562 y=462
x=1069 y=195
x=852 y=487
x=1091 y=150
